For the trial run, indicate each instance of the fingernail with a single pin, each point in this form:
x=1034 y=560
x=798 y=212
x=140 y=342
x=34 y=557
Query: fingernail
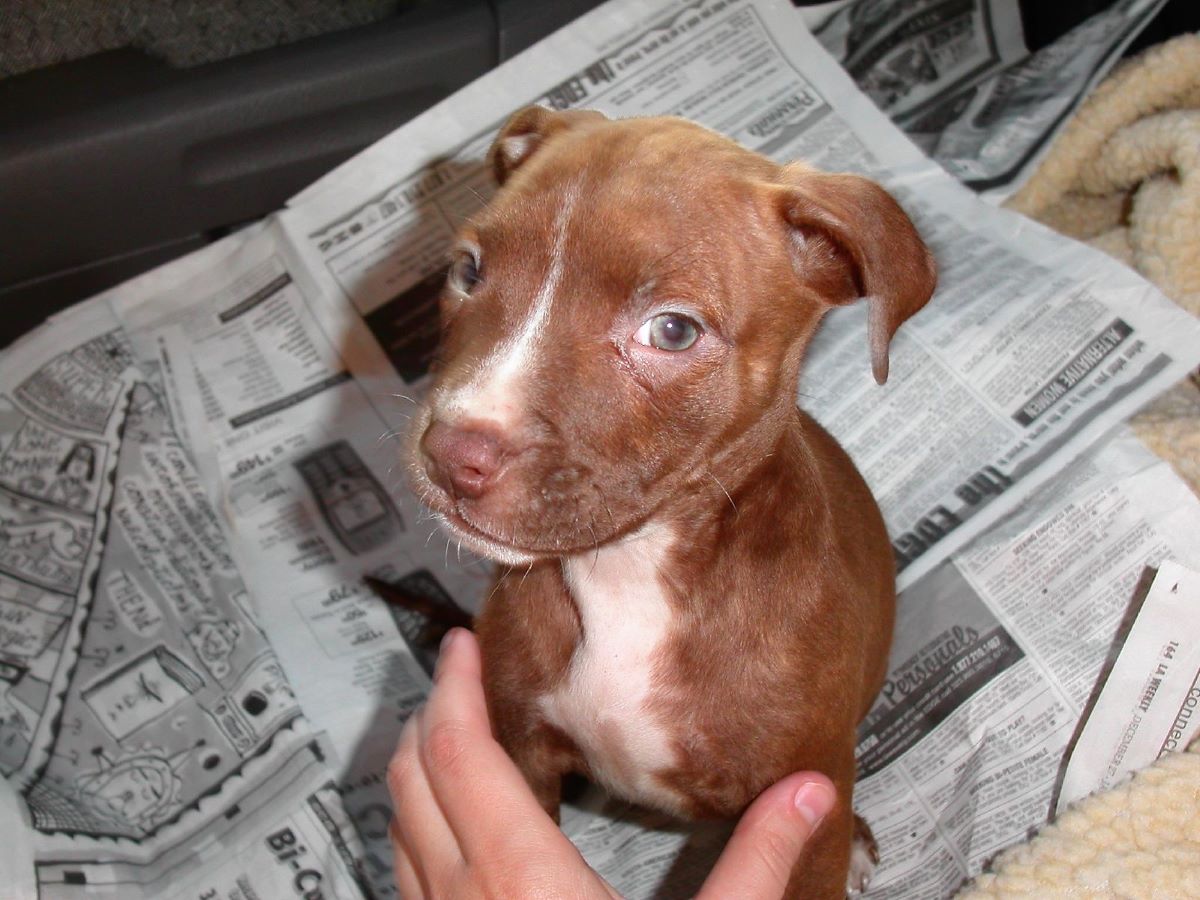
x=447 y=640
x=814 y=801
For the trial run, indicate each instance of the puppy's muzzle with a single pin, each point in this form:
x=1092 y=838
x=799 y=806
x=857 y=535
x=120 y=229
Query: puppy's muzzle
x=465 y=462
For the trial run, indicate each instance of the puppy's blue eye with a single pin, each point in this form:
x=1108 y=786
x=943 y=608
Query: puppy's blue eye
x=668 y=331
x=464 y=273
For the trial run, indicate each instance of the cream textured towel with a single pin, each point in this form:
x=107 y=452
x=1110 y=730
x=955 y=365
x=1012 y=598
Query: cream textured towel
x=1138 y=840
x=1124 y=175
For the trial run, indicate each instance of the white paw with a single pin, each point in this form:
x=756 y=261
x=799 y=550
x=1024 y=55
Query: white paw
x=864 y=856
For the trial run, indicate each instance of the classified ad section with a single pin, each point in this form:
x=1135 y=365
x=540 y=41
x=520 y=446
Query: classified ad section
x=996 y=658
x=1025 y=355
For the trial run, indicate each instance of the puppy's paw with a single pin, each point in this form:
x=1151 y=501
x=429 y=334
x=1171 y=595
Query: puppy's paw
x=864 y=856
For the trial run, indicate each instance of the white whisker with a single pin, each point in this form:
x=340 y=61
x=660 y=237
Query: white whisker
x=526 y=575
x=725 y=492
x=595 y=550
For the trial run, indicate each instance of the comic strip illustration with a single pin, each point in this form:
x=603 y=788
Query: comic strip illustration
x=56 y=434
x=79 y=389
x=173 y=685
x=292 y=830
x=137 y=691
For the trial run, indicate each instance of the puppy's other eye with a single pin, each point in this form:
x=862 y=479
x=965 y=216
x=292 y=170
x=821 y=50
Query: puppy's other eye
x=464 y=273
x=668 y=331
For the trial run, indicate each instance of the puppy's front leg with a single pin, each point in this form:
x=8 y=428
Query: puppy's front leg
x=822 y=871
x=527 y=632
x=544 y=756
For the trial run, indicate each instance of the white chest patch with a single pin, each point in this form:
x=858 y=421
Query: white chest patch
x=601 y=703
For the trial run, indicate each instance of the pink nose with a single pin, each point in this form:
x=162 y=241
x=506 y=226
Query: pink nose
x=462 y=461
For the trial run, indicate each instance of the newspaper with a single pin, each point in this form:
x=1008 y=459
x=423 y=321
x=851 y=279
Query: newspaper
x=995 y=658
x=145 y=718
x=957 y=77
x=1146 y=704
x=299 y=457
x=198 y=697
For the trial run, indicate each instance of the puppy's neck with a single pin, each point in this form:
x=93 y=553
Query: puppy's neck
x=638 y=564
x=633 y=563
x=747 y=454
x=626 y=616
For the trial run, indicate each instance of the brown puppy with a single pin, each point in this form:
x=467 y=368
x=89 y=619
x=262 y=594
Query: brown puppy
x=698 y=594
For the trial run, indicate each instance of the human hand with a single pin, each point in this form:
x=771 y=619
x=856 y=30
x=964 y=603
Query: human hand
x=467 y=825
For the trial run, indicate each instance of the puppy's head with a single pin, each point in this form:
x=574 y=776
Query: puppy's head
x=623 y=325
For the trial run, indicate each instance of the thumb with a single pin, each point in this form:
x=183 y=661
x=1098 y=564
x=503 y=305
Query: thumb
x=764 y=848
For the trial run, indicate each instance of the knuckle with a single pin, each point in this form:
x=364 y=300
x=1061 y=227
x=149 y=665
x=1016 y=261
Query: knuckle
x=505 y=882
x=400 y=770
x=445 y=748
x=455 y=882
x=776 y=853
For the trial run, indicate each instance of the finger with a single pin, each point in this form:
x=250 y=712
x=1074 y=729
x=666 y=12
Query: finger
x=420 y=828
x=460 y=662
x=483 y=795
x=407 y=882
x=766 y=845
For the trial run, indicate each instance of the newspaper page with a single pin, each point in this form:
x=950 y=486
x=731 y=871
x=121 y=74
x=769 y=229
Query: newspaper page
x=300 y=455
x=1146 y=703
x=958 y=78
x=145 y=720
x=995 y=658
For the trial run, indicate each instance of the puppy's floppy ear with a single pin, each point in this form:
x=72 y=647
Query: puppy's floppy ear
x=890 y=264
x=526 y=130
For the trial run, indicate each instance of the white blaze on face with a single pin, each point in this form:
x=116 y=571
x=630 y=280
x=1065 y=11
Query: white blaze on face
x=494 y=392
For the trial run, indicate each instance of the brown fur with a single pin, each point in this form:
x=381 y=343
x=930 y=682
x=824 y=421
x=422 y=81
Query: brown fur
x=782 y=593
